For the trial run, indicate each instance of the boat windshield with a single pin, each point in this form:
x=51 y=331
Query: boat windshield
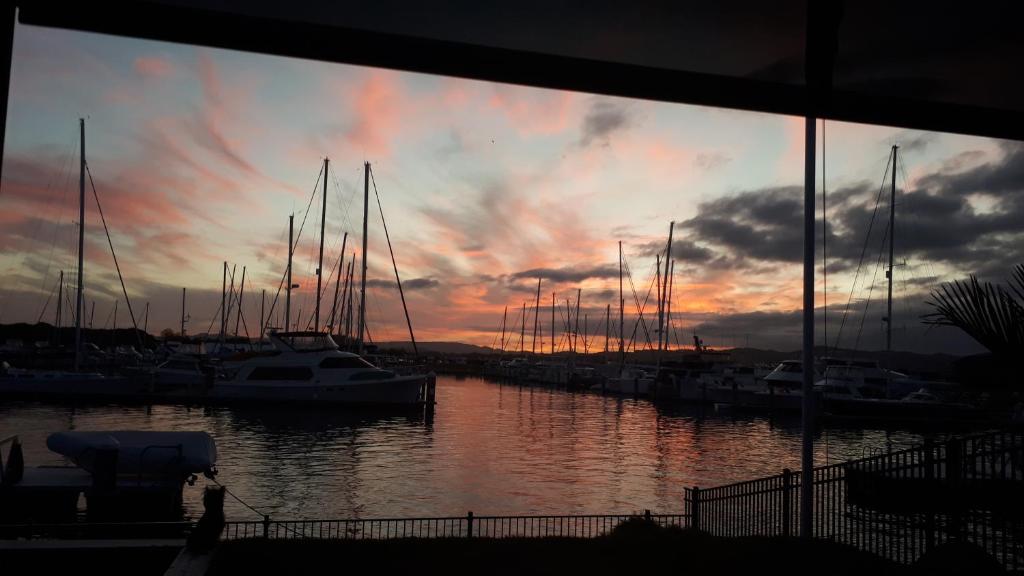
x=308 y=342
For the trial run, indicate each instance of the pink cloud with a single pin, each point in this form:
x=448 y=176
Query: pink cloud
x=153 y=66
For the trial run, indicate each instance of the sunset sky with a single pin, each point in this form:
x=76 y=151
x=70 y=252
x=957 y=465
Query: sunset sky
x=199 y=156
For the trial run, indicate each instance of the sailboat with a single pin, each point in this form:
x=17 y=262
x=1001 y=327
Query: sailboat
x=58 y=383
x=307 y=366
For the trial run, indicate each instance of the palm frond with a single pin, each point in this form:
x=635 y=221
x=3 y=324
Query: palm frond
x=988 y=313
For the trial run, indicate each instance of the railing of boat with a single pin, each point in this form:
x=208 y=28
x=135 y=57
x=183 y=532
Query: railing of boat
x=468 y=526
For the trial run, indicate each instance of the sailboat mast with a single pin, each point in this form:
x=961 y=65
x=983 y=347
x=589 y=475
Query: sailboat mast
x=337 y=282
x=576 y=333
x=536 y=319
x=362 y=281
x=263 y=312
x=552 y=323
x=145 y=322
x=320 y=262
x=183 y=311
x=60 y=301
x=81 y=245
x=223 y=300
x=892 y=242
x=668 y=309
x=607 y=329
x=661 y=309
x=663 y=335
x=288 y=288
x=241 y=293
x=522 y=332
x=504 y=317
x=622 y=311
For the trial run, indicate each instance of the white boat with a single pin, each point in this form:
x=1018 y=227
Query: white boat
x=308 y=367
x=21 y=382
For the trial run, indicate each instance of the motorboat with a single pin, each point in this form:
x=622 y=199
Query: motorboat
x=309 y=367
x=124 y=475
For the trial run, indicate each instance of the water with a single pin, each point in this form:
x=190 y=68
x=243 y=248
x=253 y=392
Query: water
x=491 y=448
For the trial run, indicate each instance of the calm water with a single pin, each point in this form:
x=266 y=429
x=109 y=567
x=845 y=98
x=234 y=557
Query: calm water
x=490 y=448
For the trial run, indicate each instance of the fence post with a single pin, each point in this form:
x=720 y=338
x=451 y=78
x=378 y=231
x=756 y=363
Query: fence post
x=469 y=524
x=647 y=515
x=929 y=476
x=266 y=525
x=954 y=474
x=787 y=485
x=695 y=508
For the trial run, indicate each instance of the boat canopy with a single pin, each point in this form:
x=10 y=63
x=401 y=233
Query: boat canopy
x=304 y=341
x=140 y=451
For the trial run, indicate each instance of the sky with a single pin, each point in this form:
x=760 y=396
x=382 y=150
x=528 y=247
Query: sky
x=199 y=156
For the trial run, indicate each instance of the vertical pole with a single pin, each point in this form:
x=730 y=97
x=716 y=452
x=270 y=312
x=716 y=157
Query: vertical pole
x=536 y=319
x=787 y=506
x=695 y=509
x=92 y=314
x=576 y=332
x=892 y=247
x=607 y=329
x=241 y=292
x=664 y=288
x=668 y=306
x=60 y=302
x=183 y=311
x=337 y=280
x=288 y=289
x=223 y=299
x=113 y=333
x=145 y=321
x=263 y=315
x=522 y=332
x=807 y=420
x=362 y=289
x=661 y=310
x=351 y=297
x=320 y=262
x=81 y=239
x=504 y=317
x=622 y=311
x=586 y=348
x=469 y=525
x=552 y=323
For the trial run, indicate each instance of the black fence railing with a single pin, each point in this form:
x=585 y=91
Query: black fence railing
x=897 y=505
x=468 y=526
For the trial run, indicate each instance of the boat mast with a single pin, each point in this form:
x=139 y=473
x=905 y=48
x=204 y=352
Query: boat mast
x=664 y=288
x=607 y=329
x=223 y=300
x=337 y=281
x=241 y=292
x=576 y=333
x=81 y=244
x=522 y=331
x=320 y=263
x=668 y=310
x=536 y=319
x=622 y=310
x=60 y=298
x=889 y=274
x=661 y=310
x=362 y=281
x=263 y=305
x=288 y=288
x=145 y=322
x=552 y=323
x=504 y=317
x=183 y=311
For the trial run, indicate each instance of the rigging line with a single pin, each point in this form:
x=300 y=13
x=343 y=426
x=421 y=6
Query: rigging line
x=291 y=248
x=640 y=309
x=398 y=280
x=863 y=252
x=47 y=303
x=56 y=228
x=117 y=266
x=871 y=289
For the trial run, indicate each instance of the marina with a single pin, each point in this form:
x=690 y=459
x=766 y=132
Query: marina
x=562 y=452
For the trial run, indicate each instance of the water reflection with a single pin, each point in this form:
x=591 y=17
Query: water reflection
x=490 y=447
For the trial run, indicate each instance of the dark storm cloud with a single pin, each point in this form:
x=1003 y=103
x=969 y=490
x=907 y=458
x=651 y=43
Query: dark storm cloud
x=568 y=273
x=602 y=119
x=682 y=249
x=411 y=284
x=936 y=222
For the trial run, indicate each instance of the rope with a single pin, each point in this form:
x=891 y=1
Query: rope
x=117 y=266
x=255 y=511
x=863 y=251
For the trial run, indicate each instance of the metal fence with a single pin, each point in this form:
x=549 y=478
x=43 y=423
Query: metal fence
x=468 y=526
x=97 y=530
x=897 y=505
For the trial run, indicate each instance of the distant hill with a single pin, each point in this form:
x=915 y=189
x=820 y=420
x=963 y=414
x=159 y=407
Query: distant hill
x=437 y=347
